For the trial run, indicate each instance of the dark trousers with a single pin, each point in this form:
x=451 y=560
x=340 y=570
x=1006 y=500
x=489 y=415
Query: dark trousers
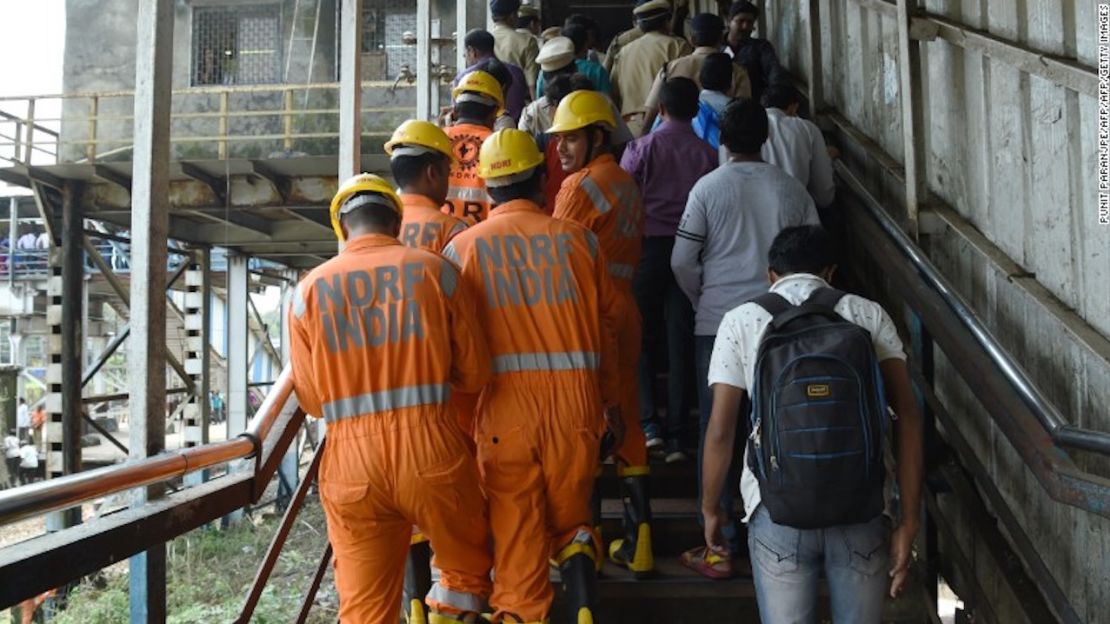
x=13 y=470
x=731 y=532
x=668 y=338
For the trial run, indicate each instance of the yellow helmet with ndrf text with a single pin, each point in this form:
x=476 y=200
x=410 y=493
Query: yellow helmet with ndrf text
x=415 y=137
x=507 y=156
x=581 y=109
x=361 y=190
x=479 y=86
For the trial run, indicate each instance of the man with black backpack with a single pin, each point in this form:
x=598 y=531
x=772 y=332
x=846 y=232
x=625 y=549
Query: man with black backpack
x=818 y=366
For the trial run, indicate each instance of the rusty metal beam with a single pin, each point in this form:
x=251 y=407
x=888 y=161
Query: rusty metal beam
x=110 y=175
x=216 y=184
x=237 y=218
x=282 y=184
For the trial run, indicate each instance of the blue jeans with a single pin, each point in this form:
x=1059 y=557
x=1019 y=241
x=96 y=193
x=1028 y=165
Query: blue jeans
x=703 y=351
x=787 y=562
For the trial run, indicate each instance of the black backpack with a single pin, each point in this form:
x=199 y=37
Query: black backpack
x=818 y=416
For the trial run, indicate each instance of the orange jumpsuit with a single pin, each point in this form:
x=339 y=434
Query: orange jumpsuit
x=380 y=335
x=467 y=198
x=549 y=309
x=425 y=226
x=605 y=198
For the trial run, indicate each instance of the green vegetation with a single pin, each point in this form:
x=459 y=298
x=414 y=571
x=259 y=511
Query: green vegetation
x=210 y=572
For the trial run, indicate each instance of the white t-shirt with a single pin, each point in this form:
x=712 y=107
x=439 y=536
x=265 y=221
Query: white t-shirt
x=798 y=147
x=11 y=447
x=28 y=456
x=23 y=416
x=737 y=345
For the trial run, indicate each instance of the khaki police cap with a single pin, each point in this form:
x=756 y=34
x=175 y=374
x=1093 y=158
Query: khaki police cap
x=652 y=6
x=527 y=10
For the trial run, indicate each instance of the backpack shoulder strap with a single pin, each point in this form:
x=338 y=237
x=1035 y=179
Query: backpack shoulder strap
x=826 y=297
x=773 y=303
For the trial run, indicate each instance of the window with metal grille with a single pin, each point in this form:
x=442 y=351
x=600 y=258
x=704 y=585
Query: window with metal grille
x=383 y=51
x=237 y=45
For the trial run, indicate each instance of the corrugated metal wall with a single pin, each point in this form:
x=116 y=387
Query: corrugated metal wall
x=1014 y=155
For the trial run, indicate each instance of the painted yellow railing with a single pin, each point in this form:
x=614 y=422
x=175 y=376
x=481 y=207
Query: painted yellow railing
x=206 y=122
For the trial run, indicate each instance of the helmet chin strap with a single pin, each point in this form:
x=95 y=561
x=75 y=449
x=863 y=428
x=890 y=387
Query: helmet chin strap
x=591 y=154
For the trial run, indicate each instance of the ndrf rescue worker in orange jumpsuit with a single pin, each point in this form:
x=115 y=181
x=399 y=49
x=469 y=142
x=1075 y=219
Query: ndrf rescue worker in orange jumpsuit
x=380 y=336
x=478 y=100
x=548 y=306
x=605 y=198
x=420 y=158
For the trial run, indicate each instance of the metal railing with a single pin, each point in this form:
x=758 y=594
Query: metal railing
x=48 y=561
x=1008 y=395
x=34 y=264
x=206 y=122
x=1016 y=406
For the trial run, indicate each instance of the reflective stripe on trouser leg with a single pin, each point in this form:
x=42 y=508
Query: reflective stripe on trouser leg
x=420 y=472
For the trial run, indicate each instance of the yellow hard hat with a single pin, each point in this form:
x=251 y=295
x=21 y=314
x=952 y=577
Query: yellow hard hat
x=479 y=83
x=377 y=190
x=505 y=155
x=419 y=136
x=580 y=109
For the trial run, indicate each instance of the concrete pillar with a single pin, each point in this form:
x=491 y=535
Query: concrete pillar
x=74 y=320
x=424 y=78
x=197 y=309
x=149 y=231
x=238 y=343
x=461 y=14
x=350 y=89
x=238 y=354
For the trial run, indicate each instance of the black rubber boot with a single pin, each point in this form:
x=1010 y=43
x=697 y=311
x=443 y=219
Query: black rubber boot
x=633 y=551
x=418 y=582
x=579 y=573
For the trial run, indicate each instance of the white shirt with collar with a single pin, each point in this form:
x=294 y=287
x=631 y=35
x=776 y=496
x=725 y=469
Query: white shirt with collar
x=797 y=146
x=11 y=447
x=737 y=345
x=23 y=416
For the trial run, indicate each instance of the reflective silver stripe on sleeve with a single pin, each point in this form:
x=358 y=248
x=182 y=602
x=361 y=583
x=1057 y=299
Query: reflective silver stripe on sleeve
x=593 y=191
x=452 y=254
x=299 y=306
x=385 y=400
x=625 y=271
x=459 y=600
x=467 y=193
x=591 y=240
x=448 y=279
x=567 y=360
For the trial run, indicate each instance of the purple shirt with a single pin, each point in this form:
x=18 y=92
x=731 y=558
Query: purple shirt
x=666 y=164
x=517 y=97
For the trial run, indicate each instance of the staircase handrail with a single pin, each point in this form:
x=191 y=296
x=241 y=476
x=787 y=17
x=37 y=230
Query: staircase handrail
x=1034 y=426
